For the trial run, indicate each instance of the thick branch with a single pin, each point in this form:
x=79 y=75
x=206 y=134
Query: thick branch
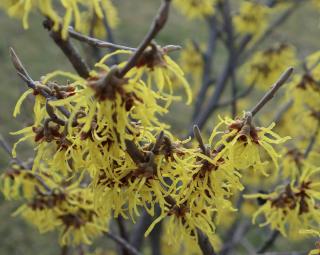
x=225 y=75
x=312 y=141
x=69 y=51
x=204 y=244
x=242 y=94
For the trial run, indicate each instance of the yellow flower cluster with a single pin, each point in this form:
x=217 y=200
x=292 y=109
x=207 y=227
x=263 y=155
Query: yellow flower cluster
x=50 y=204
x=85 y=15
x=252 y=18
x=266 y=66
x=292 y=207
x=195 y=8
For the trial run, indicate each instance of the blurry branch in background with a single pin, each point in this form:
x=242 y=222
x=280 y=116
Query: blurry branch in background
x=69 y=50
x=64 y=250
x=235 y=58
x=96 y=42
x=123 y=233
x=235 y=235
x=208 y=57
x=269 y=242
x=103 y=44
x=127 y=246
x=312 y=141
x=240 y=95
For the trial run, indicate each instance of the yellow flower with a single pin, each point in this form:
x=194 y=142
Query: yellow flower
x=195 y=8
x=252 y=18
x=292 y=207
x=70 y=211
x=244 y=143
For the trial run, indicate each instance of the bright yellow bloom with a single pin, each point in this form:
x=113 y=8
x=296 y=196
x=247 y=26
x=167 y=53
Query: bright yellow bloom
x=292 y=207
x=244 y=143
x=162 y=72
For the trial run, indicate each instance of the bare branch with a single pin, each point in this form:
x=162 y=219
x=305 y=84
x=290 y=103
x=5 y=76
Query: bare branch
x=225 y=75
x=156 y=27
x=123 y=243
x=69 y=51
x=96 y=42
x=226 y=12
x=123 y=234
x=208 y=61
x=280 y=20
x=22 y=72
x=312 y=141
x=270 y=94
x=139 y=229
x=204 y=244
x=64 y=250
x=269 y=242
x=244 y=93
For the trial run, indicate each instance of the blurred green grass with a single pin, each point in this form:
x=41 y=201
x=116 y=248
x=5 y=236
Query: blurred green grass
x=41 y=56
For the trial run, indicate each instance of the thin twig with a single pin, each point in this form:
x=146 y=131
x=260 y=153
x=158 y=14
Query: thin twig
x=24 y=75
x=123 y=243
x=237 y=234
x=96 y=42
x=208 y=65
x=269 y=242
x=156 y=27
x=243 y=94
x=225 y=75
x=312 y=141
x=270 y=94
x=123 y=233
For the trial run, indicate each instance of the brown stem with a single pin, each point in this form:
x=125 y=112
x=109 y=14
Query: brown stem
x=270 y=94
x=156 y=27
x=69 y=51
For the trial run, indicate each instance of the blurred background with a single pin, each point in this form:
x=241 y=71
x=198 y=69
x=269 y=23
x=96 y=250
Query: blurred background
x=40 y=55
